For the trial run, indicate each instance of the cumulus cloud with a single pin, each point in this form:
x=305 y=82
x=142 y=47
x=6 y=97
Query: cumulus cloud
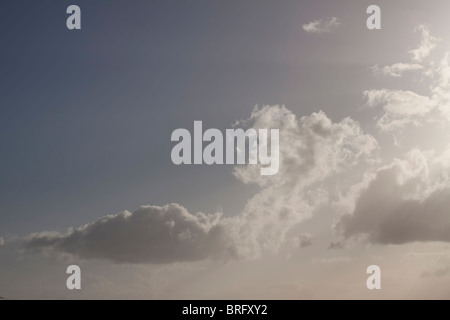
x=322 y=26
x=406 y=201
x=313 y=146
x=151 y=234
x=312 y=149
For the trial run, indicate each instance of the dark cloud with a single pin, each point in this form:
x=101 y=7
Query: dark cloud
x=302 y=240
x=404 y=203
x=149 y=235
x=335 y=245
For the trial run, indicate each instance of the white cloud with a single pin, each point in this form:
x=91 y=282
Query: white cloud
x=322 y=26
x=312 y=147
x=426 y=46
x=440 y=91
x=401 y=108
x=396 y=70
x=312 y=150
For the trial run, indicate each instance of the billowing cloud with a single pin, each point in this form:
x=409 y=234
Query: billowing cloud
x=406 y=201
x=312 y=150
x=312 y=147
x=149 y=235
x=322 y=26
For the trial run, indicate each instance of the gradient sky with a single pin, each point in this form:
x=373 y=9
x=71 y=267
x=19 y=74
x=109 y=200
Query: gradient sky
x=87 y=117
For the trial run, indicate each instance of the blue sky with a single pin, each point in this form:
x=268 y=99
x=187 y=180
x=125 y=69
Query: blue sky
x=87 y=115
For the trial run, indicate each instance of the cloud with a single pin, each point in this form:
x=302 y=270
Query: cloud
x=2 y=242
x=302 y=240
x=405 y=108
x=396 y=70
x=406 y=201
x=336 y=245
x=401 y=108
x=438 y=273
x=439 y=270
x=313 y=146
x=312 y=149
x=333 y=260
x=440 y=91
x=322 y=26
x=151 y=234
x=426 y=46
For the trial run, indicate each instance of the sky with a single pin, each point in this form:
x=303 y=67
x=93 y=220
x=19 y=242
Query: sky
x=86 y=175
